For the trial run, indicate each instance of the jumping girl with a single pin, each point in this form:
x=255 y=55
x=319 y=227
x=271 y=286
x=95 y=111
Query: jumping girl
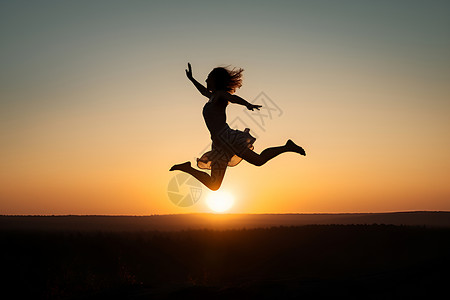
x=229 y=146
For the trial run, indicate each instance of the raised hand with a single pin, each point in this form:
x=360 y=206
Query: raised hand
x=251 y=107
x=189 y=72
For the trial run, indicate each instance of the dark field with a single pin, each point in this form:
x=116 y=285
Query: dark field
x=287 y=262
x=217 y=221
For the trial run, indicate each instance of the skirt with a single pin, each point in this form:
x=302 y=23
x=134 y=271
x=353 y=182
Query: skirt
x=227 y=146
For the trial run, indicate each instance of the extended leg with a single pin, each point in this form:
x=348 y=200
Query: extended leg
x=212 y=182
x=269 y=153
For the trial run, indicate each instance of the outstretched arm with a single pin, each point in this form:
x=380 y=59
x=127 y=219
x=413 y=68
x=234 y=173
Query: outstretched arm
x=197 y=84
x=238 y=100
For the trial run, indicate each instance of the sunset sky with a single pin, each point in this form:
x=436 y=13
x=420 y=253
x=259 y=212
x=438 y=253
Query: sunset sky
x=95 y=106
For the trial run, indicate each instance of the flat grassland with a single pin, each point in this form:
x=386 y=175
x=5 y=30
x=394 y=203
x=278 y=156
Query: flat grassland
x=372 y=261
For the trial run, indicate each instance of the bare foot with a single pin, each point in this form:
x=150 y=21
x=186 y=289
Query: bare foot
x=181 y=167
x=295 y=148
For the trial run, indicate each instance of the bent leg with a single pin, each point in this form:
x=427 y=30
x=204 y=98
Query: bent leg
x=212 y=182
x=217 y=174
x=260 y=159
x=269 y=153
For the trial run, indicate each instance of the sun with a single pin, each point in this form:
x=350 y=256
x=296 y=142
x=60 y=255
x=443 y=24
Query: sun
x=220 y=201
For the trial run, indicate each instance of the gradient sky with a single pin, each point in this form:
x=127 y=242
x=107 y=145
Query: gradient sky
x=95 y=106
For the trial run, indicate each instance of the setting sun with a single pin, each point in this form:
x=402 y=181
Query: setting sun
x=220 y=201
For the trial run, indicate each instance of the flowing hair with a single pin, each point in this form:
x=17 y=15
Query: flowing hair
x=226 y=78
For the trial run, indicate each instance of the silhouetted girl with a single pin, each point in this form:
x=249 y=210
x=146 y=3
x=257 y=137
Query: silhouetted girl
x=229 y=146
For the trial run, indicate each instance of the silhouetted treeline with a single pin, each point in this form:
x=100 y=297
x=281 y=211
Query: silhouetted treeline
x=351 y=261
x=218 y=221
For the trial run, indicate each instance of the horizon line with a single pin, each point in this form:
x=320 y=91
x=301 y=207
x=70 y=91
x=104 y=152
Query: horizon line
x=219 y=214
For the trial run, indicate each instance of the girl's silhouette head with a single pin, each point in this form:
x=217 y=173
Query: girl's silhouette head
x=224 y=79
